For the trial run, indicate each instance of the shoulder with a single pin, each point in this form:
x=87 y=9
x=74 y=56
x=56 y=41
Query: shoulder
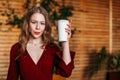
x=14 y=48
x=53 y=46
x=16 y=45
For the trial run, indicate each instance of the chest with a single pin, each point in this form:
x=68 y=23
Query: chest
x=35 y=53
x=44 y=64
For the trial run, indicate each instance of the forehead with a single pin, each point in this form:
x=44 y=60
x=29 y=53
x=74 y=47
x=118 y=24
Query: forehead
x=37 y=16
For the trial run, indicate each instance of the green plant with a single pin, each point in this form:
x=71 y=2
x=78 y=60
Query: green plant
x=17 y=21
x=9 y=12
x=57 y=11
x=115 y=61
x=105 y=61
x=100 y=61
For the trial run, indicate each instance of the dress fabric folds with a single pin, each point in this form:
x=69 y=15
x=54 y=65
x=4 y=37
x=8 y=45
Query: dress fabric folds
x=25 y=68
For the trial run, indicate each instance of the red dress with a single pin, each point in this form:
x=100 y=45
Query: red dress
x=43 y=70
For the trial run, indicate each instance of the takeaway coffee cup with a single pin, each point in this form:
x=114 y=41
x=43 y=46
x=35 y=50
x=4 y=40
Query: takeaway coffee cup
x=62 y=34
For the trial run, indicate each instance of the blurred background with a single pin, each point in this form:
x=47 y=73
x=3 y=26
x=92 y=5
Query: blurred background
x=95 y=39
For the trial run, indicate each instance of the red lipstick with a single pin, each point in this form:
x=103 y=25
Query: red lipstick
x=37 y=33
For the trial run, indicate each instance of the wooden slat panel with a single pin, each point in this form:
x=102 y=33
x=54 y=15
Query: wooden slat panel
x=116 y=25
x=93 y=22
x=7 y=39
x=91 y=18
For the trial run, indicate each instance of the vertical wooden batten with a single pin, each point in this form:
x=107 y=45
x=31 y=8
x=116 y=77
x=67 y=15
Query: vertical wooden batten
x=111 y=25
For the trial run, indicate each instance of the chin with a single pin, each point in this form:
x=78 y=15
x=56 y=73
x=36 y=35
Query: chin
x=36 y=37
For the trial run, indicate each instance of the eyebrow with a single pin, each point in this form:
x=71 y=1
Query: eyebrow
x=36 y=20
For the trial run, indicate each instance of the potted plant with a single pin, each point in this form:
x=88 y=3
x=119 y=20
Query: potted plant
x=115 y=61
x=100 y=61
x=114 y=67
x=108 y=62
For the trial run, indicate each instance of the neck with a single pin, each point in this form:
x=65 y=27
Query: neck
x=35 y=41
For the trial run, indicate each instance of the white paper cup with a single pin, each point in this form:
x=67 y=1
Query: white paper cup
x=62 y=34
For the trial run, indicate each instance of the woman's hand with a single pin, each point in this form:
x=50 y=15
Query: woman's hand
x=68 y=29
x=65 y=45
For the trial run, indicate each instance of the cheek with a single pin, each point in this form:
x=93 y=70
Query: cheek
x=42 y=28
x=32 y=29
x=32 y=26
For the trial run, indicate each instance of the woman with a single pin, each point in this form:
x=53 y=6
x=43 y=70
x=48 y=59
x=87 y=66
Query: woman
x=34 y=56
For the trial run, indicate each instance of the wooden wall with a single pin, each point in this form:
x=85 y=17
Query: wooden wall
x=7 y=39
x=8 y=34
x=91 y=19
x=116 y=25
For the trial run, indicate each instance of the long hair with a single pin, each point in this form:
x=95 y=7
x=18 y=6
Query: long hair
x=25 y=31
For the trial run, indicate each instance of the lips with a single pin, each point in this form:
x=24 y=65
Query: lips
x=37 y=33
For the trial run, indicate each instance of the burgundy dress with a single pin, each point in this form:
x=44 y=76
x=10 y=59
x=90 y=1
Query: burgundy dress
x=43 y=70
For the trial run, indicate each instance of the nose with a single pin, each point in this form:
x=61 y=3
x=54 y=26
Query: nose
x=37 y=26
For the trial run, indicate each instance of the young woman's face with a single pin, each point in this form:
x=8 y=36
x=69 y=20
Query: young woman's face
x=37 y=25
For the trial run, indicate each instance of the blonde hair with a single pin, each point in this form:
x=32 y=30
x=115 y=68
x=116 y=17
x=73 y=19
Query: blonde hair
x=25 y=31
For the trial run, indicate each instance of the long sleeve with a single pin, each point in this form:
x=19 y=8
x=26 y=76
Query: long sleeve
x=61 y=67
x=13 y=66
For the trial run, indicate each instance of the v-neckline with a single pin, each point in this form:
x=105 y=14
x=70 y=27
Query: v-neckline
x=39 y=58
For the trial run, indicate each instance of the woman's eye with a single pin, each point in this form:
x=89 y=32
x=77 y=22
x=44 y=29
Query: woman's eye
x=42 y=23
x=33 y=22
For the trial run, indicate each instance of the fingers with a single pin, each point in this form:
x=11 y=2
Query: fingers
x=68 y=30
x=69 y=26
